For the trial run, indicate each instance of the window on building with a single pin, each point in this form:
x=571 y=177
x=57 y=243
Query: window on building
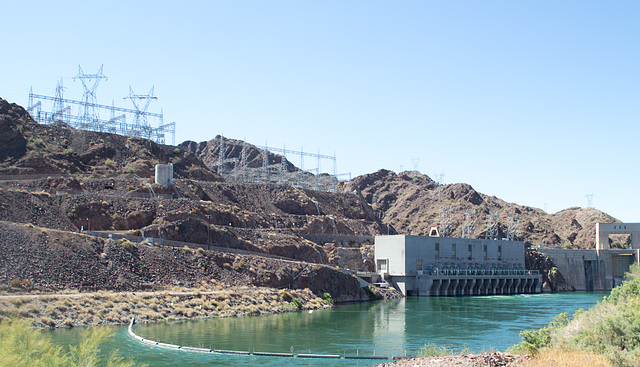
x=418 y=264
x=499 y=253
x=485 y=252
x=382 y=265
x=469 y=252
x=453 y=251
x=437 y=251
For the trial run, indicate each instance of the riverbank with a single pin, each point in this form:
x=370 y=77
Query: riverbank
x=103 y=308
x=73 y=309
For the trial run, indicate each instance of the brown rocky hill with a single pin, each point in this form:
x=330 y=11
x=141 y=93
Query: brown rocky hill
x=29 y=148
x=412 y=203
x=209 y=153
x=56 y=181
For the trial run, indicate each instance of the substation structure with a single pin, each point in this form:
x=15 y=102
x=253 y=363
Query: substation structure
x=237 y=169
x=447 y=266
x=87 y=114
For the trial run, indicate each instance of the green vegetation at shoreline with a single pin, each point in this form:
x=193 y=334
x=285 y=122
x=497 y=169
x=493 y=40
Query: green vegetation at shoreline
x=23 y=345
x=610 y=329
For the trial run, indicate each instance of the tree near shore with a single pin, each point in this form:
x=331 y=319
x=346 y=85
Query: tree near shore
x=22 y=345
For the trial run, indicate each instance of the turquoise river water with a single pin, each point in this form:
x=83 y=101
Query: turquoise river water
x=392 y=327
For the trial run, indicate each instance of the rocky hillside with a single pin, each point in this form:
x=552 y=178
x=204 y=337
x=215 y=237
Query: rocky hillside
x=209 y=153
x=411 y=202
x=29 y=148
x=52 y=260
x=56 y=181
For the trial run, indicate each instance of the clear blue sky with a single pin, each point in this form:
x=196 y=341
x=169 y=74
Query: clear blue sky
x=534 y=102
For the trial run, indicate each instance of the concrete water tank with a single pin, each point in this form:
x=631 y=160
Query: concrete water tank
x=164 y=174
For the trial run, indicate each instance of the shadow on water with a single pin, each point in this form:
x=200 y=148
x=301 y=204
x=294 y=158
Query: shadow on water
x=390 y=327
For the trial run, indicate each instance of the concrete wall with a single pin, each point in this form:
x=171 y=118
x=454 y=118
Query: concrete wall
x=591 y=270
x=603 y=230
x=402 y=251
x=409 y=263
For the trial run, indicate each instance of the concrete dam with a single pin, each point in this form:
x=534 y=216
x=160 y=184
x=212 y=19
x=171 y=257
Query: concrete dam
x=446 y=266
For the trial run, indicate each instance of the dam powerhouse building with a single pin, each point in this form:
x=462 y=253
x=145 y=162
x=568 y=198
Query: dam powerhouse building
x=447 y=266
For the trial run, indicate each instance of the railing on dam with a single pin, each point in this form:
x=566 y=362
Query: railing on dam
x=475 y=272
x=252 y=352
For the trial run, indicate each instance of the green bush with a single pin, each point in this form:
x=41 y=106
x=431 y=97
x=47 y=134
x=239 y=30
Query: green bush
x=297 y=303
x=432 y=350
x=109 y=162
x=22 y=345
x=610 y=329
x=327 y=298
x=176 y=151
x=532 y=340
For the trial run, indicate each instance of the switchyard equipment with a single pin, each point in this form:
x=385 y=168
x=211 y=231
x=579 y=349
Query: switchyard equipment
x=235 y=169
x=90 y=115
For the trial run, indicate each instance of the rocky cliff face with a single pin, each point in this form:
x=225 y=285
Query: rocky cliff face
x=412 y=203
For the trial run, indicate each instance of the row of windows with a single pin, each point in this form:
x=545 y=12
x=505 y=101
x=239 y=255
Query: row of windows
x=469 y=251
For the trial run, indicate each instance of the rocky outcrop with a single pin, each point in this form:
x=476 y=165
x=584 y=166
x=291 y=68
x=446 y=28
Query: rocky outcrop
x=14 y=123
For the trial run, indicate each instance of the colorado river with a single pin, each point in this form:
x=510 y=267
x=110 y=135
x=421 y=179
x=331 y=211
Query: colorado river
x=390 y=327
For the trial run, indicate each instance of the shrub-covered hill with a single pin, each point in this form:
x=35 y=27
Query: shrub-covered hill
x=610 y=329
x=412 y=203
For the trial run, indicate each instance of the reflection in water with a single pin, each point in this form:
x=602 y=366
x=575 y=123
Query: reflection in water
x=384 y=328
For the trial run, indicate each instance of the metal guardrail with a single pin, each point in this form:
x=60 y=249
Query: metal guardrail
x=477 y=272
x=171 y=243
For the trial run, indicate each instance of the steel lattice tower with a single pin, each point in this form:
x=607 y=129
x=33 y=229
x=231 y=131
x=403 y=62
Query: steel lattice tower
x=89 y=114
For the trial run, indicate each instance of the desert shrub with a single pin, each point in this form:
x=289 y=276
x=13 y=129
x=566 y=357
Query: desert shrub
x=67 y=151
x=127 y=244
x=532 y=340
x=137 y=232
x=286 y=296
x=327 y=298
x=610 y=329
x=297 y=303
x=20 y=283
x=176 y=151
x=561 y=358
x=130 y=170
x=433 y=350
x=109 y=162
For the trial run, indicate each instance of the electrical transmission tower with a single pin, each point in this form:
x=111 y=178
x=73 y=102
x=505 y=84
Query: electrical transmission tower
x=512 y=228
x=446 y=220
x=589 y=200
x=89 y=115
x=469 y=227
x=416 y=163
x=141 y=103
x=492 y=226
x=49 y=110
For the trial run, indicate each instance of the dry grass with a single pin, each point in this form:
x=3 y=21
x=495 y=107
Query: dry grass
x=117 y=308
x=566 y=358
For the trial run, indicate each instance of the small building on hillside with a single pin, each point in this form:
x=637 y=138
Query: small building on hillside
x=446 y=266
